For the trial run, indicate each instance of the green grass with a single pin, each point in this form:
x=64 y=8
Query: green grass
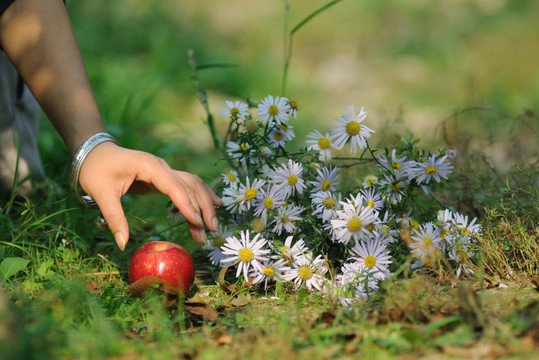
x=63 y=291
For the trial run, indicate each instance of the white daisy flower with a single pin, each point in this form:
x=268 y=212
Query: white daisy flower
x=241 y=152
x=274 y=110
x=325 y=204
x=461 y=256
x=388 y=227
x=289 y=176
x=244 y=252
x=465 y=228
x=445 y=217
x=235 y=109
x=230 y=177
x=293 y=108
x=372 y=199
x=401 y=167
x=369 y=180
x=288 y=252
x=288 y=130
x=322 y=144
x=433 y=169
x=215 y=242
x=425 y=241
x=174 y=213
x=268 y=199
x=393 y=189
x=230 y=196
x=247 y=193
x=451 y=154
x=383 y=236
x=374 y=256
x=326 y=180
x=354 y=283
x=286 y=219
x=265 y=151
x=349 y=128
x=271 y=271
x=277 y=137
x=307 y=271
x=352 y=222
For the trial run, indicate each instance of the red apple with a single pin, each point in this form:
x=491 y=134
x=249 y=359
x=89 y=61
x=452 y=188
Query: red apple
x=167 y=261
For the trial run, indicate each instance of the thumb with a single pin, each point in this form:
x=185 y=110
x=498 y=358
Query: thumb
x=112 y=211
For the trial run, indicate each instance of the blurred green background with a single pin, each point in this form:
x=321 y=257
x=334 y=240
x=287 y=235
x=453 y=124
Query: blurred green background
x=410 y=63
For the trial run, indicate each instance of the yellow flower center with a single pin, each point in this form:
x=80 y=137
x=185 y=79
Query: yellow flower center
x=369 y=227
x=251 y=126
x=326 y=185
x=246 y=254
x=250 y=194
x=284 y=219
x=268 y=271
x=305 y=272
x=292 y=179
x=234 y=111
x=293 y=104
x=443 y=233
x=396 y=166
x=414 y=224
x=278 y=135
x=370 y=261
x=324 y=143
x=329 y=202
x=258 y=225
x=370 y=181
x=268 y=203
x=370 y=203
x=463 y=256
x=430 y=170
x=463 y=231
x=244 y=147
x=427 y=242
x=218 y=241
x=354 y=224
x=352 y=128
x=231 y=177
x=273 y=110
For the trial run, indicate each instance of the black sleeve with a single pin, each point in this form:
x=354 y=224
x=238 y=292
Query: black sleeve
x=4 y=5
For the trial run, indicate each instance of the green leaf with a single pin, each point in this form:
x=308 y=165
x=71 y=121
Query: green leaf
x=12 y=265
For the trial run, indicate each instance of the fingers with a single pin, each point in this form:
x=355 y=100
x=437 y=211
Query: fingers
x=198 y=233
x=110 y=171
x=111 y=209
x=205 y=198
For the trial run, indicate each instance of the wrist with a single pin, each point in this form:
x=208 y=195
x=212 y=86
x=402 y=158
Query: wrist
x=78 y=159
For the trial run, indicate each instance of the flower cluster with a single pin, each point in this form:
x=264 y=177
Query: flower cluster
x=294 y=213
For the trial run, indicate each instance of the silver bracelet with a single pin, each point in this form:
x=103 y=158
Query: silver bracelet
x=78 y=159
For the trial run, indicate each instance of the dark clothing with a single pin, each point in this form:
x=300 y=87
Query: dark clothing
x=4 y=5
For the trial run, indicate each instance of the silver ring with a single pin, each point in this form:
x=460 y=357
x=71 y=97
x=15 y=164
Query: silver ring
x=101 y=223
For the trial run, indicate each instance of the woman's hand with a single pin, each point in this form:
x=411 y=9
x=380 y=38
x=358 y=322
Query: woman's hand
x=110 y=171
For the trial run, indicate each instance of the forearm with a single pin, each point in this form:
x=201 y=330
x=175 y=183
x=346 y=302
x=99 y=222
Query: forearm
x=38 y=38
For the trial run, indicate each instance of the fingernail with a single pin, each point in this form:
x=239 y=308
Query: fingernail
x=203 y=236
x=120 y=240
x=215 y=224
x=199 y=219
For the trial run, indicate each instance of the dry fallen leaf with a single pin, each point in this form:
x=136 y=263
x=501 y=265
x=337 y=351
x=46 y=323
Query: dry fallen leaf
x=241 y=300
x=92 y=287
x=207 y=312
